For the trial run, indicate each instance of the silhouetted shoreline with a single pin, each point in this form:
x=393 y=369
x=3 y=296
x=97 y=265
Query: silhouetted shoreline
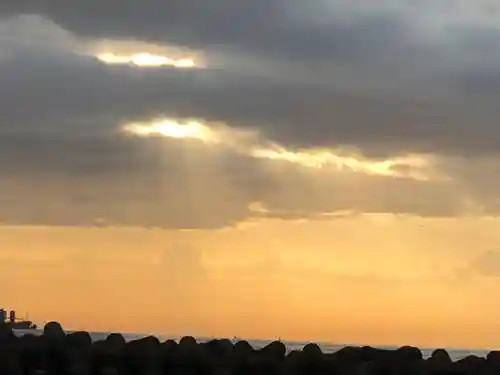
x=56 y=352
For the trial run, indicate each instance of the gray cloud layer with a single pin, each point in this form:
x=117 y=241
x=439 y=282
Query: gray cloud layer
x=390 y=79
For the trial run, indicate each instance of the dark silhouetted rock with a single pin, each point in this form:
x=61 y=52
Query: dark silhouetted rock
x=6 y=332
x=493 y=361
x=115 y=340
x=187 y=341
x=34 y=355
x=439 y=362
x=409 y=353
x=10 y=356
x=243 y=347
x=143 y=356
x=53 y=331
x=276 y=349
x=470 y=365
x=440 y=355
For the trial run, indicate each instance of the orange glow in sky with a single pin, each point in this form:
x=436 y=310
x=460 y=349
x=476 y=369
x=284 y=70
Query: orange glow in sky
x=348 y=280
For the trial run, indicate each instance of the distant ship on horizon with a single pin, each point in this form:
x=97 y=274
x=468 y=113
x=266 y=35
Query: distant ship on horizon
x=14 y=322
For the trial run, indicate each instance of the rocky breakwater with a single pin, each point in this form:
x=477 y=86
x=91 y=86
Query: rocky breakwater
x=56 y=353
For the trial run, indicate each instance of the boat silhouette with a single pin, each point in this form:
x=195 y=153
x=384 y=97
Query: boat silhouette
x=14 y=322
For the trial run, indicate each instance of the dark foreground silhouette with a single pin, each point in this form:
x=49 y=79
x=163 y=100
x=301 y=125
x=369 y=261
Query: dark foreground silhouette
x=55 y=352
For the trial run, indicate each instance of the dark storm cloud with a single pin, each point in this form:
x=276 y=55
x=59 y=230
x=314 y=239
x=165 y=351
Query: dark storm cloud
x=268 y=27
x=314 y=30
x=317 y=74
x=68 y=93
x=370 y=81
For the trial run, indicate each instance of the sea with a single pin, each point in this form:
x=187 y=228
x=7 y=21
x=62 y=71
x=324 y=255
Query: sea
x=454 y=353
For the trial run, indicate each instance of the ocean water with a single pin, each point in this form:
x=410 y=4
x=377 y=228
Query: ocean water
x=455 y=354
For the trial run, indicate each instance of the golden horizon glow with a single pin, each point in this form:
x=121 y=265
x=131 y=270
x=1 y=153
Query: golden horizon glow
x=319 y=281
x=147 y=60
x=254 y=144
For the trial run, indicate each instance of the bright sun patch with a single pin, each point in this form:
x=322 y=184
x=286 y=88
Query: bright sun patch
x=173 y=129
x=253 y=144
x=147 y=60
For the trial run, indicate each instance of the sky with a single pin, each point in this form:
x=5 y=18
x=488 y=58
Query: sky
x=322 y=170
